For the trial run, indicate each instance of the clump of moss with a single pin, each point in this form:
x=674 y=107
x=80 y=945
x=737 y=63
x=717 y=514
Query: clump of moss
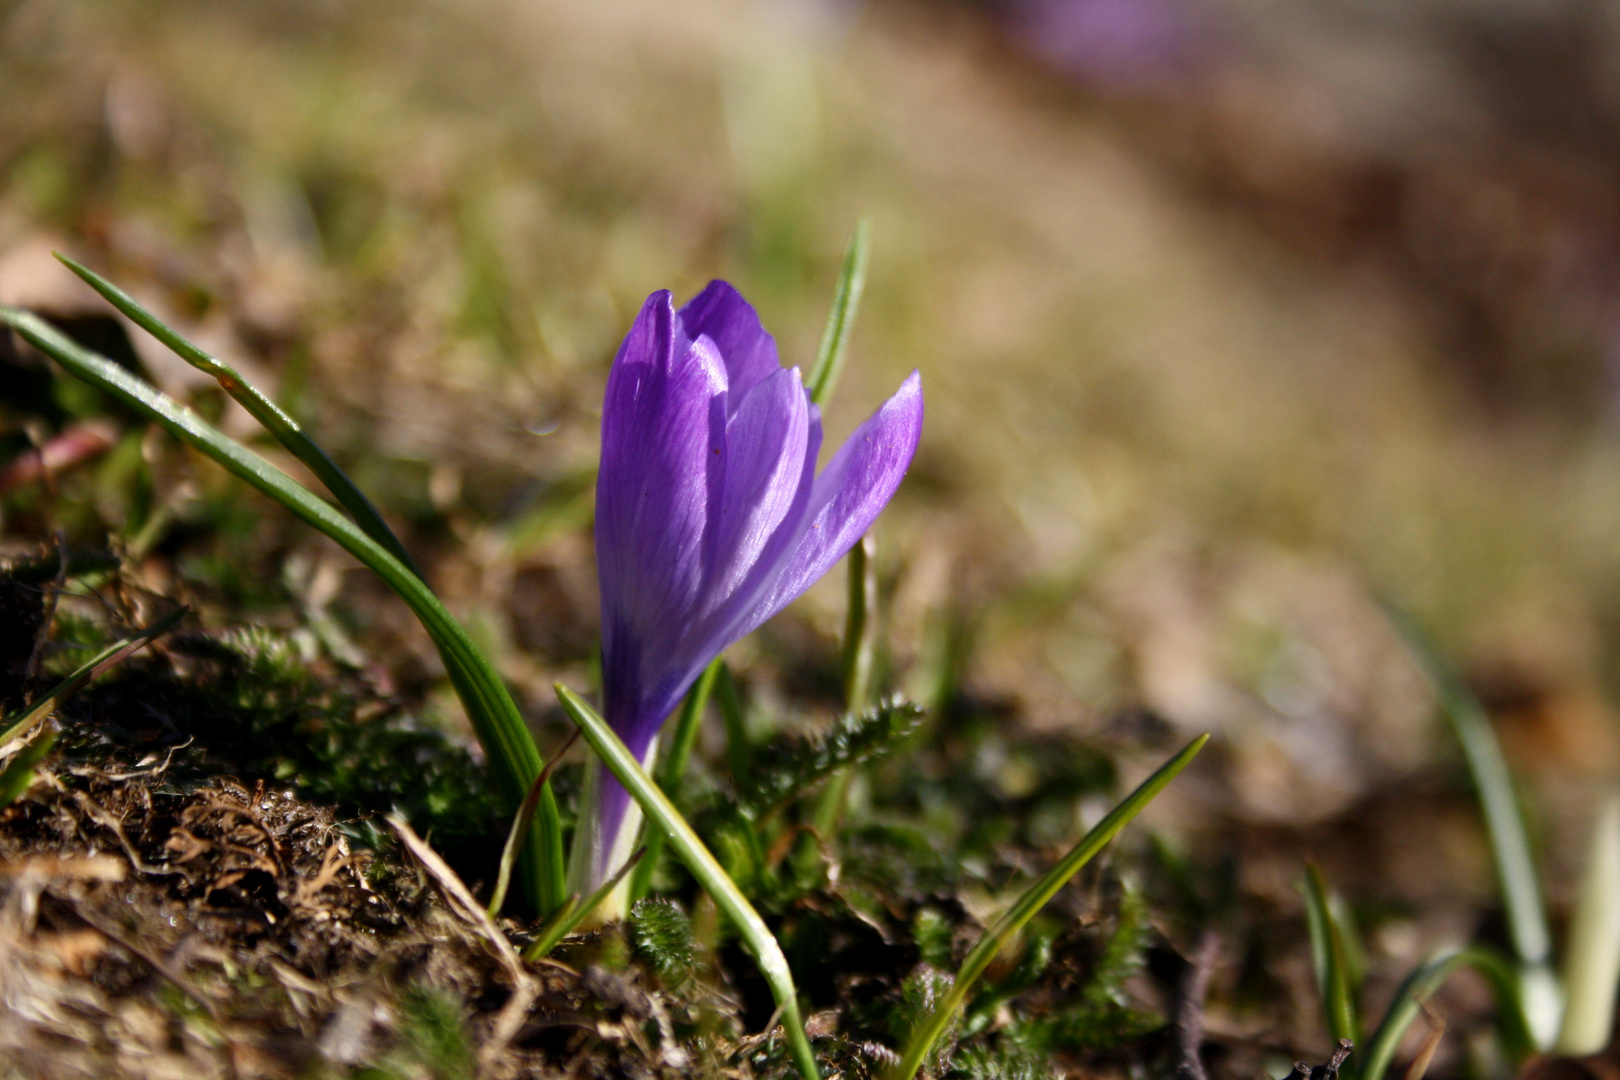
x=248 y=702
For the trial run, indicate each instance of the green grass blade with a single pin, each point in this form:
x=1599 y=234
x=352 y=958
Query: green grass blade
x=672 y=767
x=823 y=377
x=739 y=755
x=519 y=832
x=1424 y=981
x=19 y=771
x=23 y=720
x=494 y=715
x=571 y=916
x=1034 y=898
x=1328 y=956
x=857 y=664
x=279 y=424
x=1504 y=824
x=1592 y=957
x=554 y=929
x=703 y=866
x=862 y=604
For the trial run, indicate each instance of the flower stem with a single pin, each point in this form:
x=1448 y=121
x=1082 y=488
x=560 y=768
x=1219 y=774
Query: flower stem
x=704 y=867
x=671 y=767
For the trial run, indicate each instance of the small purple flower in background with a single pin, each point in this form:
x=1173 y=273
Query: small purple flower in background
x=710 y=517
x=1119 y=47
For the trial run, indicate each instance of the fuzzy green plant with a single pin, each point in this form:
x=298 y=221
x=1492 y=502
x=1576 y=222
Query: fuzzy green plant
x=662 y=936
x=785 y=769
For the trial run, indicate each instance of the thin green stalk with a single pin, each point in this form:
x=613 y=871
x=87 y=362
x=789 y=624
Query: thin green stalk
x=1328 y=955
x=554 y=929
x=857 y=666
x=862 y=604
x=23 y=720
x=823 y=377
x=672 y=767
x=1424 y=981
x=1033 y=899
x=494 y=715
x=703 y=866
x=738 y=752
x=279 y=424
x=857 y=655
x=521 y=823
x=1504 y=824
x=572 y=913
x=829 y=808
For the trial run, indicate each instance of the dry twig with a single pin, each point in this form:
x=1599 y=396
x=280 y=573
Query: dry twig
x=1189 y=1007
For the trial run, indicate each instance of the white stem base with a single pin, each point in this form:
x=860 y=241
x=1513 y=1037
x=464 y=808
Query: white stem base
x=586 y=853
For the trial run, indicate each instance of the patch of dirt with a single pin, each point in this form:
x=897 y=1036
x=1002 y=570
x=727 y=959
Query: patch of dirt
x=234 y=932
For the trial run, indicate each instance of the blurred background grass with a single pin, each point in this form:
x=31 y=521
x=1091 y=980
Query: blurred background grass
x=1229 y=314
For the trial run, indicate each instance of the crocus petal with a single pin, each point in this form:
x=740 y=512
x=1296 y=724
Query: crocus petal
x=709 y=515
x=766 y=439
x=846 y=498
x=721 y=314
x=660 y=436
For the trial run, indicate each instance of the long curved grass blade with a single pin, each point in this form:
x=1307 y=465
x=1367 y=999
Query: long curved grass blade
x=266 y=412
x=1521 y=891
x=1328 y=956
x=823 y=377
x=1592 y=957
x=23 y=720
x=1424 y=981
x=19 y=771
x=494 y=715
x=1034 y=898
x=672 y=766
x=571 y=916
x=704 y=867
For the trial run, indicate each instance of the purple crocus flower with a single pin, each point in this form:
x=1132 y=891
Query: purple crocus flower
x=710 y=517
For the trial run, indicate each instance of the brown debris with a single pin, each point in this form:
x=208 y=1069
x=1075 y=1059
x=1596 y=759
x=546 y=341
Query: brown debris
x=233 y=932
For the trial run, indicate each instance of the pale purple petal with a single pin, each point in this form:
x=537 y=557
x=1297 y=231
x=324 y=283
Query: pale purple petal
x=847 y=497
x=660 y=433
x=765 y=480
x=720 y=313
